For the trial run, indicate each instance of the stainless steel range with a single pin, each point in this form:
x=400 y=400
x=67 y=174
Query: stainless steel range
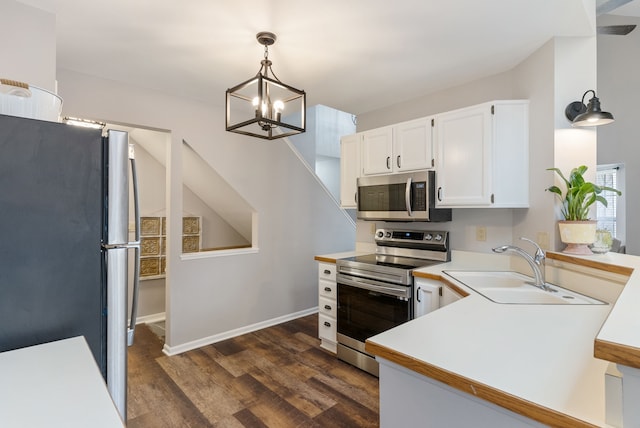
x=375 y=290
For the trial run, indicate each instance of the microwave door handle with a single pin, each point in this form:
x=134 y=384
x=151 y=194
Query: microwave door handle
x=407 y=197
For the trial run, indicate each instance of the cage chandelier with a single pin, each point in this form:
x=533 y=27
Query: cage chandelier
x=263 y=106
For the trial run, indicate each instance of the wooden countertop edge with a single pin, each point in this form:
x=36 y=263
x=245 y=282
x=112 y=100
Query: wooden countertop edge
x=508 y=401
x=617 y=353
x=427 y=275
x=437 y=277
x=607 y=267
x=324 y=259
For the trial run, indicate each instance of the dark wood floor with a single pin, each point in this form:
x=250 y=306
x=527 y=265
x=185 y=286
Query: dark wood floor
x=276 y=377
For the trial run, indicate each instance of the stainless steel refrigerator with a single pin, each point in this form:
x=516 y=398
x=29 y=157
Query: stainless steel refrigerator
x=64 y=241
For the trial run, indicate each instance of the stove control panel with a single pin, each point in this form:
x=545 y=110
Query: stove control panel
x=413 y=238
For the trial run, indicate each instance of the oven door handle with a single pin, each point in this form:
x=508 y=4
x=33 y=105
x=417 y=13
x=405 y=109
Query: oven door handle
x=407 y=197
x=403 y=293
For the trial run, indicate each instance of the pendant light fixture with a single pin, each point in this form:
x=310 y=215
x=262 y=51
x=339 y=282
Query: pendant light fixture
x=263 y=106
x=591 y=115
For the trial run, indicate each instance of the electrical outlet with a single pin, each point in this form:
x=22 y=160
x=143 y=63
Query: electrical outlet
x=543 y=240
x=481 y=233
x=373 y=228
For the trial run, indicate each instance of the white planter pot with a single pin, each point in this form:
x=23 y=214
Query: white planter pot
x=578 y=235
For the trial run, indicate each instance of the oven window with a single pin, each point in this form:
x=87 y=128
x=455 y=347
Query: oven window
x=363 y=313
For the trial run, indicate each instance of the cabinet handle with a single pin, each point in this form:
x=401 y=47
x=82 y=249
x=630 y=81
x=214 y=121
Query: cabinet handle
x=440 y=193
x=327 y=271
x=327 y=324
x=327 y=289
x=327 y=307
x=418 y=292
x=388 y=162
x=398 y=161
x=355 y=197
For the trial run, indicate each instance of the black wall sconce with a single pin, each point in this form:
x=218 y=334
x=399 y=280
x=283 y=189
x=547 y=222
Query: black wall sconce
x=591 y=115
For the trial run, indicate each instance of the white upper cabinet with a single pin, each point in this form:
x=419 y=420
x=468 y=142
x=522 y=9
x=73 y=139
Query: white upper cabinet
x=407 y=146
x=482 y=156
x=413 y=145
x=349 y=170
x=377 y=151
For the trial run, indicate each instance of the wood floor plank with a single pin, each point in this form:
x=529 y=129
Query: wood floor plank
x=276 y=412
x=360 y=408
x=153 y=399
x=210 y=399
x=277 y=377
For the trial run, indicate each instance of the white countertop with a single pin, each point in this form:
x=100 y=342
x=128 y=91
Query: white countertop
x=541 y=354
x=56 y=384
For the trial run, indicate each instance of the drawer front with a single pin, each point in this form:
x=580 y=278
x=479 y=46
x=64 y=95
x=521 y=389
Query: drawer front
x=327 y=307
x=326 y=328
x=327 y=271
x=328 y=289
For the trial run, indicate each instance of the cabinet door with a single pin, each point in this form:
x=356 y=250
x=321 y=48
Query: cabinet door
x=349 y=169
x=413 y=145
x=511 y=154
x=464 y=157
x=377 y=147
x=426 y=296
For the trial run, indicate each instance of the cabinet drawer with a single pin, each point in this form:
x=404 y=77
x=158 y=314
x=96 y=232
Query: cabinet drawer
x=327 y=307
x=328 y=289
x=327 y=271
x=326 y=327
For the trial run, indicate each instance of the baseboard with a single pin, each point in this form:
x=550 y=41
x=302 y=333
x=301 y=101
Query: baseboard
x=179 y=349
x=150 y=319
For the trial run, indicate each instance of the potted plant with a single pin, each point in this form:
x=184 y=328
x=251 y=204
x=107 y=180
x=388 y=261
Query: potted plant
x=577 y=230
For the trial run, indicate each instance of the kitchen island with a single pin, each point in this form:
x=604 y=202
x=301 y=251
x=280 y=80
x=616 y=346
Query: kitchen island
x=487 y=364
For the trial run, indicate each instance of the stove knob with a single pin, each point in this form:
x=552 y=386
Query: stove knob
x=388 y=235
x=380 y=234
x=429 y=237
x=438 y=237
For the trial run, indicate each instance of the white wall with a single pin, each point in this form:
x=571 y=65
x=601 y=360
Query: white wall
x=618 y=89
x=297 y=219
x=27 y=44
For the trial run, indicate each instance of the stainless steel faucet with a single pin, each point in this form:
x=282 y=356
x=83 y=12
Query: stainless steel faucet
x=536 y=261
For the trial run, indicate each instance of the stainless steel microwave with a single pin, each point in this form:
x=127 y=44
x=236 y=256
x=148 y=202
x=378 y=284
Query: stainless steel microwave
x=399 y=197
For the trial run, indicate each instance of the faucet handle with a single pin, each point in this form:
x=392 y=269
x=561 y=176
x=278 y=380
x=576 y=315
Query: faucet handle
x=540 y=255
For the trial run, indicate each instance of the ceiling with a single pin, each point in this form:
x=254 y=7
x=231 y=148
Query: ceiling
x=354 y=55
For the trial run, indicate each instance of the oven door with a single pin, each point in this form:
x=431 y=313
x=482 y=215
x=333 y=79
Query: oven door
x=367 y=307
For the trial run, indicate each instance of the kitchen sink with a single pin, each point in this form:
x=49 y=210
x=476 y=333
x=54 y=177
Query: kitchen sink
x=515 y=288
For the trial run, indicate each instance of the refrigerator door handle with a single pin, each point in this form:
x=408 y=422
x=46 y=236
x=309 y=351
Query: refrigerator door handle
x=136 y=247
x=132 y=244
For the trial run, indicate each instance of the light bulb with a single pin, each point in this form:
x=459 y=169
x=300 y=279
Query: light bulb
x=278 y=106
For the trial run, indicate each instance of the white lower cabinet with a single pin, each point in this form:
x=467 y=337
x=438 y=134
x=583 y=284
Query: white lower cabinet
x=431 y=294
x=426 y=296
x=327 y=306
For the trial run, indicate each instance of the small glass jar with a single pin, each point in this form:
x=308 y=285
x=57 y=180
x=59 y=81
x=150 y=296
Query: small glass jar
x=603 y=241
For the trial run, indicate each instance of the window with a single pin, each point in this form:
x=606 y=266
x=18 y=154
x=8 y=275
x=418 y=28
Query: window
x=607 y=217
